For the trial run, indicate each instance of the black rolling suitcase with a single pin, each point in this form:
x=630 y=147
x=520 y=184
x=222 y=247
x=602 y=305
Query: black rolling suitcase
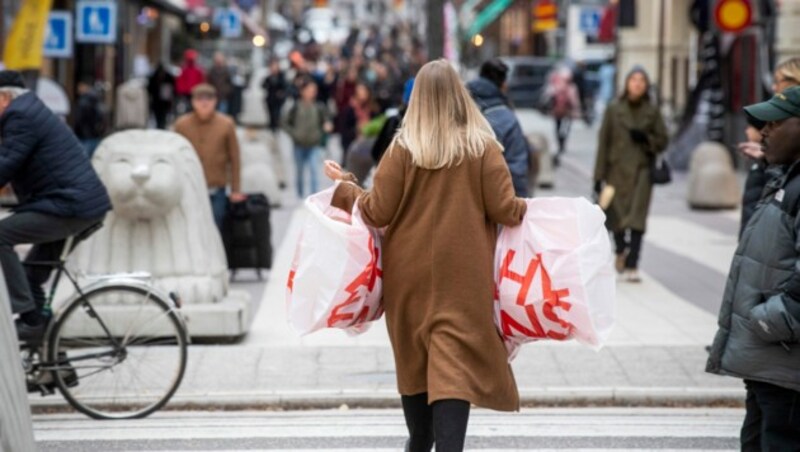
x=247 y=234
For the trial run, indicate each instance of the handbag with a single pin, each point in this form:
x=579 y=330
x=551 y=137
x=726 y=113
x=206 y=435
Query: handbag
x=660 y=172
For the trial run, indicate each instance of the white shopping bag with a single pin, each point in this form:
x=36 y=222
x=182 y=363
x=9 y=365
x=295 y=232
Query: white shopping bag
x=554 y=275
x=336 y=278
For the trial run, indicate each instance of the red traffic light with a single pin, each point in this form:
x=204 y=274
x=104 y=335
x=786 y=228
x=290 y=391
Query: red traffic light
x=733 y=16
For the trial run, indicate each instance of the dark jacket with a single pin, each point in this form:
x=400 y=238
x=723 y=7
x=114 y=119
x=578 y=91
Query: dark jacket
x=759 y=321
x=89 y=120
x=757 y=179
x=626 y=165
x=504 y=122
x=46 y=164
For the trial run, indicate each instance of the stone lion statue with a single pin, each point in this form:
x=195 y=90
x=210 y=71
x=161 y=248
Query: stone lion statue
x=161 y=222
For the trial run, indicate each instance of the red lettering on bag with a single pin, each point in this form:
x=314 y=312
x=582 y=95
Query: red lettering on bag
x=367 y=278
x=290 y=282
x=552 y=299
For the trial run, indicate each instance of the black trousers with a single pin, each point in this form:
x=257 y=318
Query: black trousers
x=631 y=241
x=563 y=126
x=47 y=234
x=772 y=422
x=443 y=423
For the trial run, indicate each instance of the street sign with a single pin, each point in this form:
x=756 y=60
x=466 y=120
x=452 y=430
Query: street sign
x=733 y=16
x=58 y=35
x=230 y=22
x=590 y=21
x=487 y=15
x=96 y=22
x=545 y=16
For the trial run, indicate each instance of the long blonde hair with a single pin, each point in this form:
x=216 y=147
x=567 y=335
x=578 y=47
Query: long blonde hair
x=790 y=69
x=442 y=125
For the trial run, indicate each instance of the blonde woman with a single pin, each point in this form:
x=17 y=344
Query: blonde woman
x=441 y=190
x=786 y=75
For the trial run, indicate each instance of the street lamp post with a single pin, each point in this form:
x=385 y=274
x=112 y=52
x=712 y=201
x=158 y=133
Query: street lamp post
x=435 y=29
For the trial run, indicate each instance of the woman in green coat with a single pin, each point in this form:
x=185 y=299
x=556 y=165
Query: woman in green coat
x=632 y=135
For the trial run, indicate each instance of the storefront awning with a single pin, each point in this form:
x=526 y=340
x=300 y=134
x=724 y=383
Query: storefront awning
x=177 y=7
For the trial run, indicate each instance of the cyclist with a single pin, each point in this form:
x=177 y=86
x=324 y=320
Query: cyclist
x=59 y=195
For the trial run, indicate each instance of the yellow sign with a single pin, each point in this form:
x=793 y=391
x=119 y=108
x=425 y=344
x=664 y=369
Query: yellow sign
x=23 y=48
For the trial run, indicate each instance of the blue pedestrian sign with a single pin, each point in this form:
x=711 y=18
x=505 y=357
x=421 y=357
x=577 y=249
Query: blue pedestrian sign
x=96 y=22
x=58 y=35
x=230 y=22
x=590 y=21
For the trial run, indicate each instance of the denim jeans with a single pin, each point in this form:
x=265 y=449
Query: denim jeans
x=219 y=205
x=311 y=158
x=47 y=234
x=772 y=422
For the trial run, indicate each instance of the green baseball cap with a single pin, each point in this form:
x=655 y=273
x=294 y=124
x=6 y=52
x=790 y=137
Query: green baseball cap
x=782 y=106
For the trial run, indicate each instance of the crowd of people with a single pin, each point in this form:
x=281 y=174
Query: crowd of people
x=437 y=138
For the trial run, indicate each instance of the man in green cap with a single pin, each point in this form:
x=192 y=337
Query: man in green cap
x=759 y=321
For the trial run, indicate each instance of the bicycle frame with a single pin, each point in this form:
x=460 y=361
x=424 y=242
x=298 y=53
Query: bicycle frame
x=59 y=266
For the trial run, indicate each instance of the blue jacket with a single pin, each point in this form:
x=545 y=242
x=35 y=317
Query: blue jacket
x=46 y=165
x=504 y=122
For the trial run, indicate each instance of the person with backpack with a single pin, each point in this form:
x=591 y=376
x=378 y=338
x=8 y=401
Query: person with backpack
x=487 y=91
x=307 y=123
x=561 y=98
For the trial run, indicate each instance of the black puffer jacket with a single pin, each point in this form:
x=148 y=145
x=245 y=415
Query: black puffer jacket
x=757 y=179
x=45 y=163
x=494 y=106
x=759 y=321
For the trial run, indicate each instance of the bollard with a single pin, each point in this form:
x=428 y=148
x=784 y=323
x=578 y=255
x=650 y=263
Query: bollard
x=541 y=146
x=16 y=429
x=712 y=180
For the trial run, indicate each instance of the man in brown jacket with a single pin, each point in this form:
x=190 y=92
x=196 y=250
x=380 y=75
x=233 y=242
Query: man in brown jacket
x=213 y=136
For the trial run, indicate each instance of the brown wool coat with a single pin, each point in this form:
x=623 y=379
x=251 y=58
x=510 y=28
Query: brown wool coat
x=217 y=147
x=438 y=289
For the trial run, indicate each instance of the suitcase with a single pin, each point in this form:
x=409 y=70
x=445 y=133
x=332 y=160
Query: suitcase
x=247 y=234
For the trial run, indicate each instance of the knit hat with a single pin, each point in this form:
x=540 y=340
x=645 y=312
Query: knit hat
x=11 y=79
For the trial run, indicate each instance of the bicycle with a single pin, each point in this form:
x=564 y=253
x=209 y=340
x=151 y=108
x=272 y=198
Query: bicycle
x=116 y=349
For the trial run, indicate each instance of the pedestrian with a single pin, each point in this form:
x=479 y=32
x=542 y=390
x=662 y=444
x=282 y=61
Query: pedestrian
x=219 y=76
x=307 y=123
x=440 y=191
x=91 y=121
x=759 y=321
x=213 y=136
x=161 y=87
x=276 y=89
x=487 y=90
x=392 y=125
x=632 y=135
x=59 y=192
x=358 y=112
x=191 y=75
x=786 y=75
x=562 y=102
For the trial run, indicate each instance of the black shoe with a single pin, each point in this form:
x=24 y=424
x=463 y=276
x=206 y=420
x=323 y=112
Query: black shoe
x=30 y=333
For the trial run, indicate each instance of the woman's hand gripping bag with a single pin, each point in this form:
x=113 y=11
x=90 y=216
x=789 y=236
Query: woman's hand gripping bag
x=554 y=275
x=335 y=280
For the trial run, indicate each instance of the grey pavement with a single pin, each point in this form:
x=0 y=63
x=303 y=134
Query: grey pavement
x=595 y=429
x=655 y=355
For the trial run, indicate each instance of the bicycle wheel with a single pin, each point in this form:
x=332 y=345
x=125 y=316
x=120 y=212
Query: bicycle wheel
x=130 y=368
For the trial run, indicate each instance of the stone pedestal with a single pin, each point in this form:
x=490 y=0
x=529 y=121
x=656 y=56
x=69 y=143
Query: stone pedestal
x=258 y=174
x=712 y=180
x=162 y=225
x=16 y=430
x=546 y=177
x=254 y=111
